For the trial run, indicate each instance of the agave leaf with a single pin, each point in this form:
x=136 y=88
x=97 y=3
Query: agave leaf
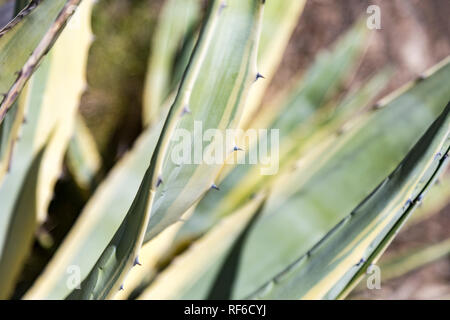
x=99 y=220
x=197 y=83
x=280 y=19
x=19 y=237
x=437 y=200
x=396 y=265
x=329 y=183
x=358 y=240
x=149 y=258
x=83 y=158
x=246 y=179
x=207 y=281
x=225 y=88
x=184 y=272
x=107 y=275
x=54 y=82
x=35 y=29
x=9 y=135
x=299 y=211
x=43 y=104
x=175 y=21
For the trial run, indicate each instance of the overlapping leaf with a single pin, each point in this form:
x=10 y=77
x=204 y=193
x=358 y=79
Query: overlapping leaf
x=199 y=91
x=298 y=118
x=341 y=257
x=50 y=102
x=305 y=206
x=34 y=30
x=175 y=24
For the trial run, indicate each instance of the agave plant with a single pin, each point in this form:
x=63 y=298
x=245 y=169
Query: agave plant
x=350 y=171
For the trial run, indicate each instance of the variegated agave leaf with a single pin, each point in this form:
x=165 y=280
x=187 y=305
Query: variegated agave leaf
x=18 y=238
x=35 y=30
x=298 y=117
x=110 y=201
x=176 y=21
x=181 y=279
x=239 y=43
x=299 y=211
x=224 y=87
x=83 y=158
x=309 y=201
x=48 y=128
x=335 y=264
x=108 y=204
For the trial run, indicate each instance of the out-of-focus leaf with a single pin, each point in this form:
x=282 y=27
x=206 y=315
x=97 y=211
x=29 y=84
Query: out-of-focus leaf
x=19 y=237
x=99 y=220
x=34 y=29
x=183 y=274
x=397 y=265
x=339 y=259
x=9 y=135
x=83 y=158
x=177 y=18
x=50 y=102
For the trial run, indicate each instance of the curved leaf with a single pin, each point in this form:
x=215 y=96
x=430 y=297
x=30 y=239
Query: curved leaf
x=339 y=259
x=175 y=21
x=35 y=30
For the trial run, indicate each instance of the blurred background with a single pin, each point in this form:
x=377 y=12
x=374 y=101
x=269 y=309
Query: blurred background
x=414 y=36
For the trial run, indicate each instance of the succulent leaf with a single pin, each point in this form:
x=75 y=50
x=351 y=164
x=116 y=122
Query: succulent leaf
x=83 y=158
x=295 y=129
x=333 y=264
x=17 y=241
x=35 y=29
x=175 y=22
x=183 y=275
x=311 y=200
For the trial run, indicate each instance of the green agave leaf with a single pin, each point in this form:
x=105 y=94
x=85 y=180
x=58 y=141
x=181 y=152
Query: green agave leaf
x=175 y=22
x=35 y=30
x=340 y=258
x=108 y=273
x=280 y=19
x=206 y=277
x=19 y=237
x=310 y=95
x=83 y=158
x=329 y=183
x=437 y=200
x=10 y=127
x=121 y=254
x=183 y=274
x=213 y=93
x=307 y=203
x=110 y=201
x=50 y=102
x=99 y=220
